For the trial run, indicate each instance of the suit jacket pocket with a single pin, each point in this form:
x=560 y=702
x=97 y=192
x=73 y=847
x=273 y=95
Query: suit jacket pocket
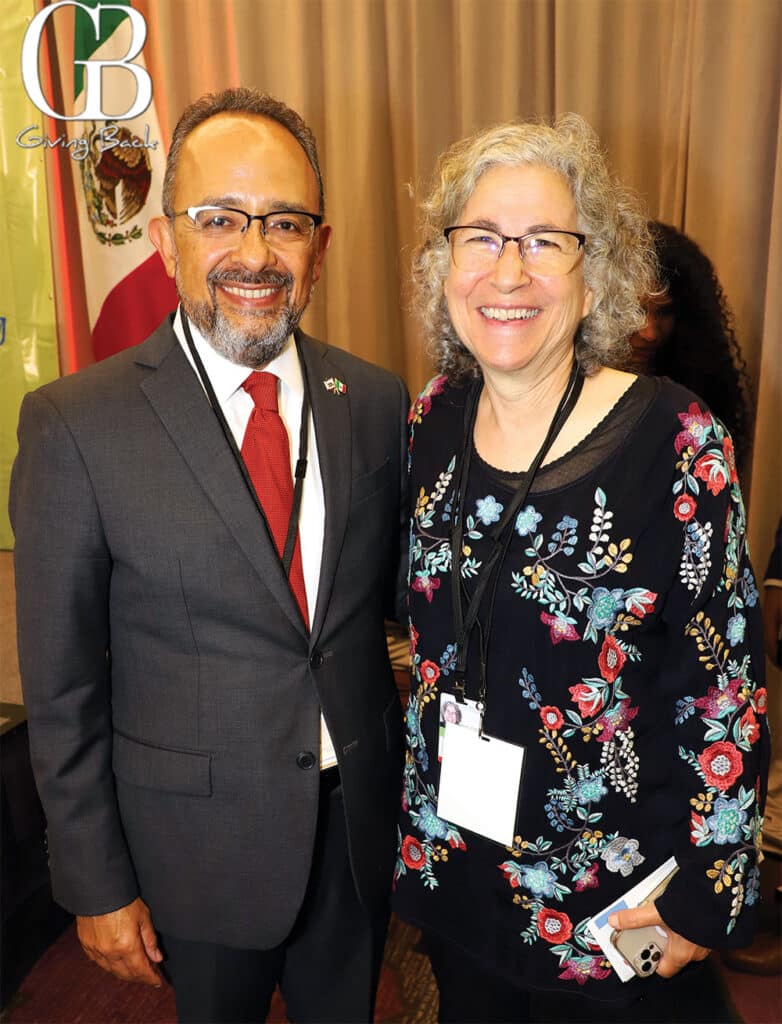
x=365 y=486
x=172 y=771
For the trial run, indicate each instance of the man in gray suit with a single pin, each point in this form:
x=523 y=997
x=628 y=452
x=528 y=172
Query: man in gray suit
x=214 y=725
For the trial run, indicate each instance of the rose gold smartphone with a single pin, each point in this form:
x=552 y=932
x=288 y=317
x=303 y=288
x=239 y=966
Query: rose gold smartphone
x=643 y=948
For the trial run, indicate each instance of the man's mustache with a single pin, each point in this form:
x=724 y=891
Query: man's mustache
x=270 y=278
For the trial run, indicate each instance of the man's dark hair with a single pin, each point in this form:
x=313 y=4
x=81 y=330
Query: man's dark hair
x=238 y=101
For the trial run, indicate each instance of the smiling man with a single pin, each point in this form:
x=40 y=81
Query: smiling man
x=214 y=724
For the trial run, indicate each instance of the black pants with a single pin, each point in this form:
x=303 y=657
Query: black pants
x=471 y=994
x=327 y=968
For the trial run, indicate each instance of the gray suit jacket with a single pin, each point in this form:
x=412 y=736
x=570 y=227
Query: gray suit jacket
x=170 y=684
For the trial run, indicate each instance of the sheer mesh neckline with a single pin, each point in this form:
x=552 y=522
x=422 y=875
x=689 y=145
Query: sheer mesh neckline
x=601 y=443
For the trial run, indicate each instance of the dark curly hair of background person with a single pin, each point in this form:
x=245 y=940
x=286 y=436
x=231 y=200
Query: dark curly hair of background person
x=702 y=352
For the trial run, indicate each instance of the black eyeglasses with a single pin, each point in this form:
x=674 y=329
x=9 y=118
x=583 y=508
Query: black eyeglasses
x=282 y=229
x=551 y=253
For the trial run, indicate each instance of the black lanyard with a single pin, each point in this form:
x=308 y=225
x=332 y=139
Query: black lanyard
x=301 y=462
x=500 y=536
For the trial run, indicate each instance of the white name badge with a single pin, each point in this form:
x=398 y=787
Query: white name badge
x=480 y=778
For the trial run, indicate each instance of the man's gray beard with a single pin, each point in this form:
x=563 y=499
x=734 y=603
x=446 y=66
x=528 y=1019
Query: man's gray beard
x=252 y=347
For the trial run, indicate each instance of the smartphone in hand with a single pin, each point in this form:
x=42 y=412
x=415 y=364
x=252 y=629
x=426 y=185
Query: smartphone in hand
x=643 y=948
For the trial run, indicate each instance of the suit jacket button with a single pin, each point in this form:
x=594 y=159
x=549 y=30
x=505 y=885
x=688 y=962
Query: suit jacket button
x=305 y=760
x=316 y=659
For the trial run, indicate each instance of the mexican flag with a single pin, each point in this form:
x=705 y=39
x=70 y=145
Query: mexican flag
x=117 y=168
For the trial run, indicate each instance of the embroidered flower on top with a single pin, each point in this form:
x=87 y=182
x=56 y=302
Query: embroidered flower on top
x=721 y=764
x=622 y=855
x=580 y=968
x=726 y=822
x=587 y=878
x=538 y=878
x=685 y=507
x=589 y=788
x=430 y=673
x=423 y=403
x=488 y=510
x=551 y=717
x=606 y=605
x=426 y=585
x=413 y=853
x=610 y=660
x=527 y=520
x=589 y=697
x=730 y=458
x=760 y=700
x=713 y=470
x=430 y=823
x=615 y=720
x=697 y=427
x=720 y=701
x=560 y=628
x=735 y=629
x=554 y=926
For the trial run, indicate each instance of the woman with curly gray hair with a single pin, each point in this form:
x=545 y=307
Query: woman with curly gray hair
x=580 y=588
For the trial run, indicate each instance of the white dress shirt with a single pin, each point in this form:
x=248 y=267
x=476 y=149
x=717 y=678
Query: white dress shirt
x=227 y=379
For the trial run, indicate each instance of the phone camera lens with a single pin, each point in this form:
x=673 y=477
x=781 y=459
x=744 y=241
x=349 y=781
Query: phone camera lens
x=645 y=954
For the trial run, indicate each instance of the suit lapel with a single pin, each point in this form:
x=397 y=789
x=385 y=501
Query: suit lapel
x=331 y=415
x=179 y=401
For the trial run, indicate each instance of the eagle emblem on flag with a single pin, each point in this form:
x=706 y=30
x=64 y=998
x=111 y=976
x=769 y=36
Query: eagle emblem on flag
x=116 y=176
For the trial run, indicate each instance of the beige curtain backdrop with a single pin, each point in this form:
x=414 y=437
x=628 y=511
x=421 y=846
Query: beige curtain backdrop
x=685 y=95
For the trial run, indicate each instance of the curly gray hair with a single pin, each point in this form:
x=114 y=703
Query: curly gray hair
x=619 y=260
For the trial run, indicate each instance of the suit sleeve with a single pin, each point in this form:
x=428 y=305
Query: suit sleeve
x=63 y=578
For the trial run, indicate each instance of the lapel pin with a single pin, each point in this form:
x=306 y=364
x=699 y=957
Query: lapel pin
x=335 y=386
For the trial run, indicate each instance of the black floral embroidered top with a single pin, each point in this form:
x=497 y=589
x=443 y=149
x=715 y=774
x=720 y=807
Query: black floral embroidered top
x=625 y=656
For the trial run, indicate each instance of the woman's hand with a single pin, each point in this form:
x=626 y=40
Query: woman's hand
x=678 y=953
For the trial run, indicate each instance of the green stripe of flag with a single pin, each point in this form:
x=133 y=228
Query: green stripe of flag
x=84 y=41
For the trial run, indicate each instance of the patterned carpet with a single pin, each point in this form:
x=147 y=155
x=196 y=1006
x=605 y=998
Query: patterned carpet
x=64 y=987
x=405 y=962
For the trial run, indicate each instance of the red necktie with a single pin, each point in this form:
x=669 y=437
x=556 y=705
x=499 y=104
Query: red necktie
x=266 y=453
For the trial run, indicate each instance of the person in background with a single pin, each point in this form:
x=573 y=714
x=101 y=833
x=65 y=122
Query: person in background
x=579 y=576
x=215 y=730
x=689 y=336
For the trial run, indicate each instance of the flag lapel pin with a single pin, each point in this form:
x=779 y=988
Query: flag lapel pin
x=335 y=386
